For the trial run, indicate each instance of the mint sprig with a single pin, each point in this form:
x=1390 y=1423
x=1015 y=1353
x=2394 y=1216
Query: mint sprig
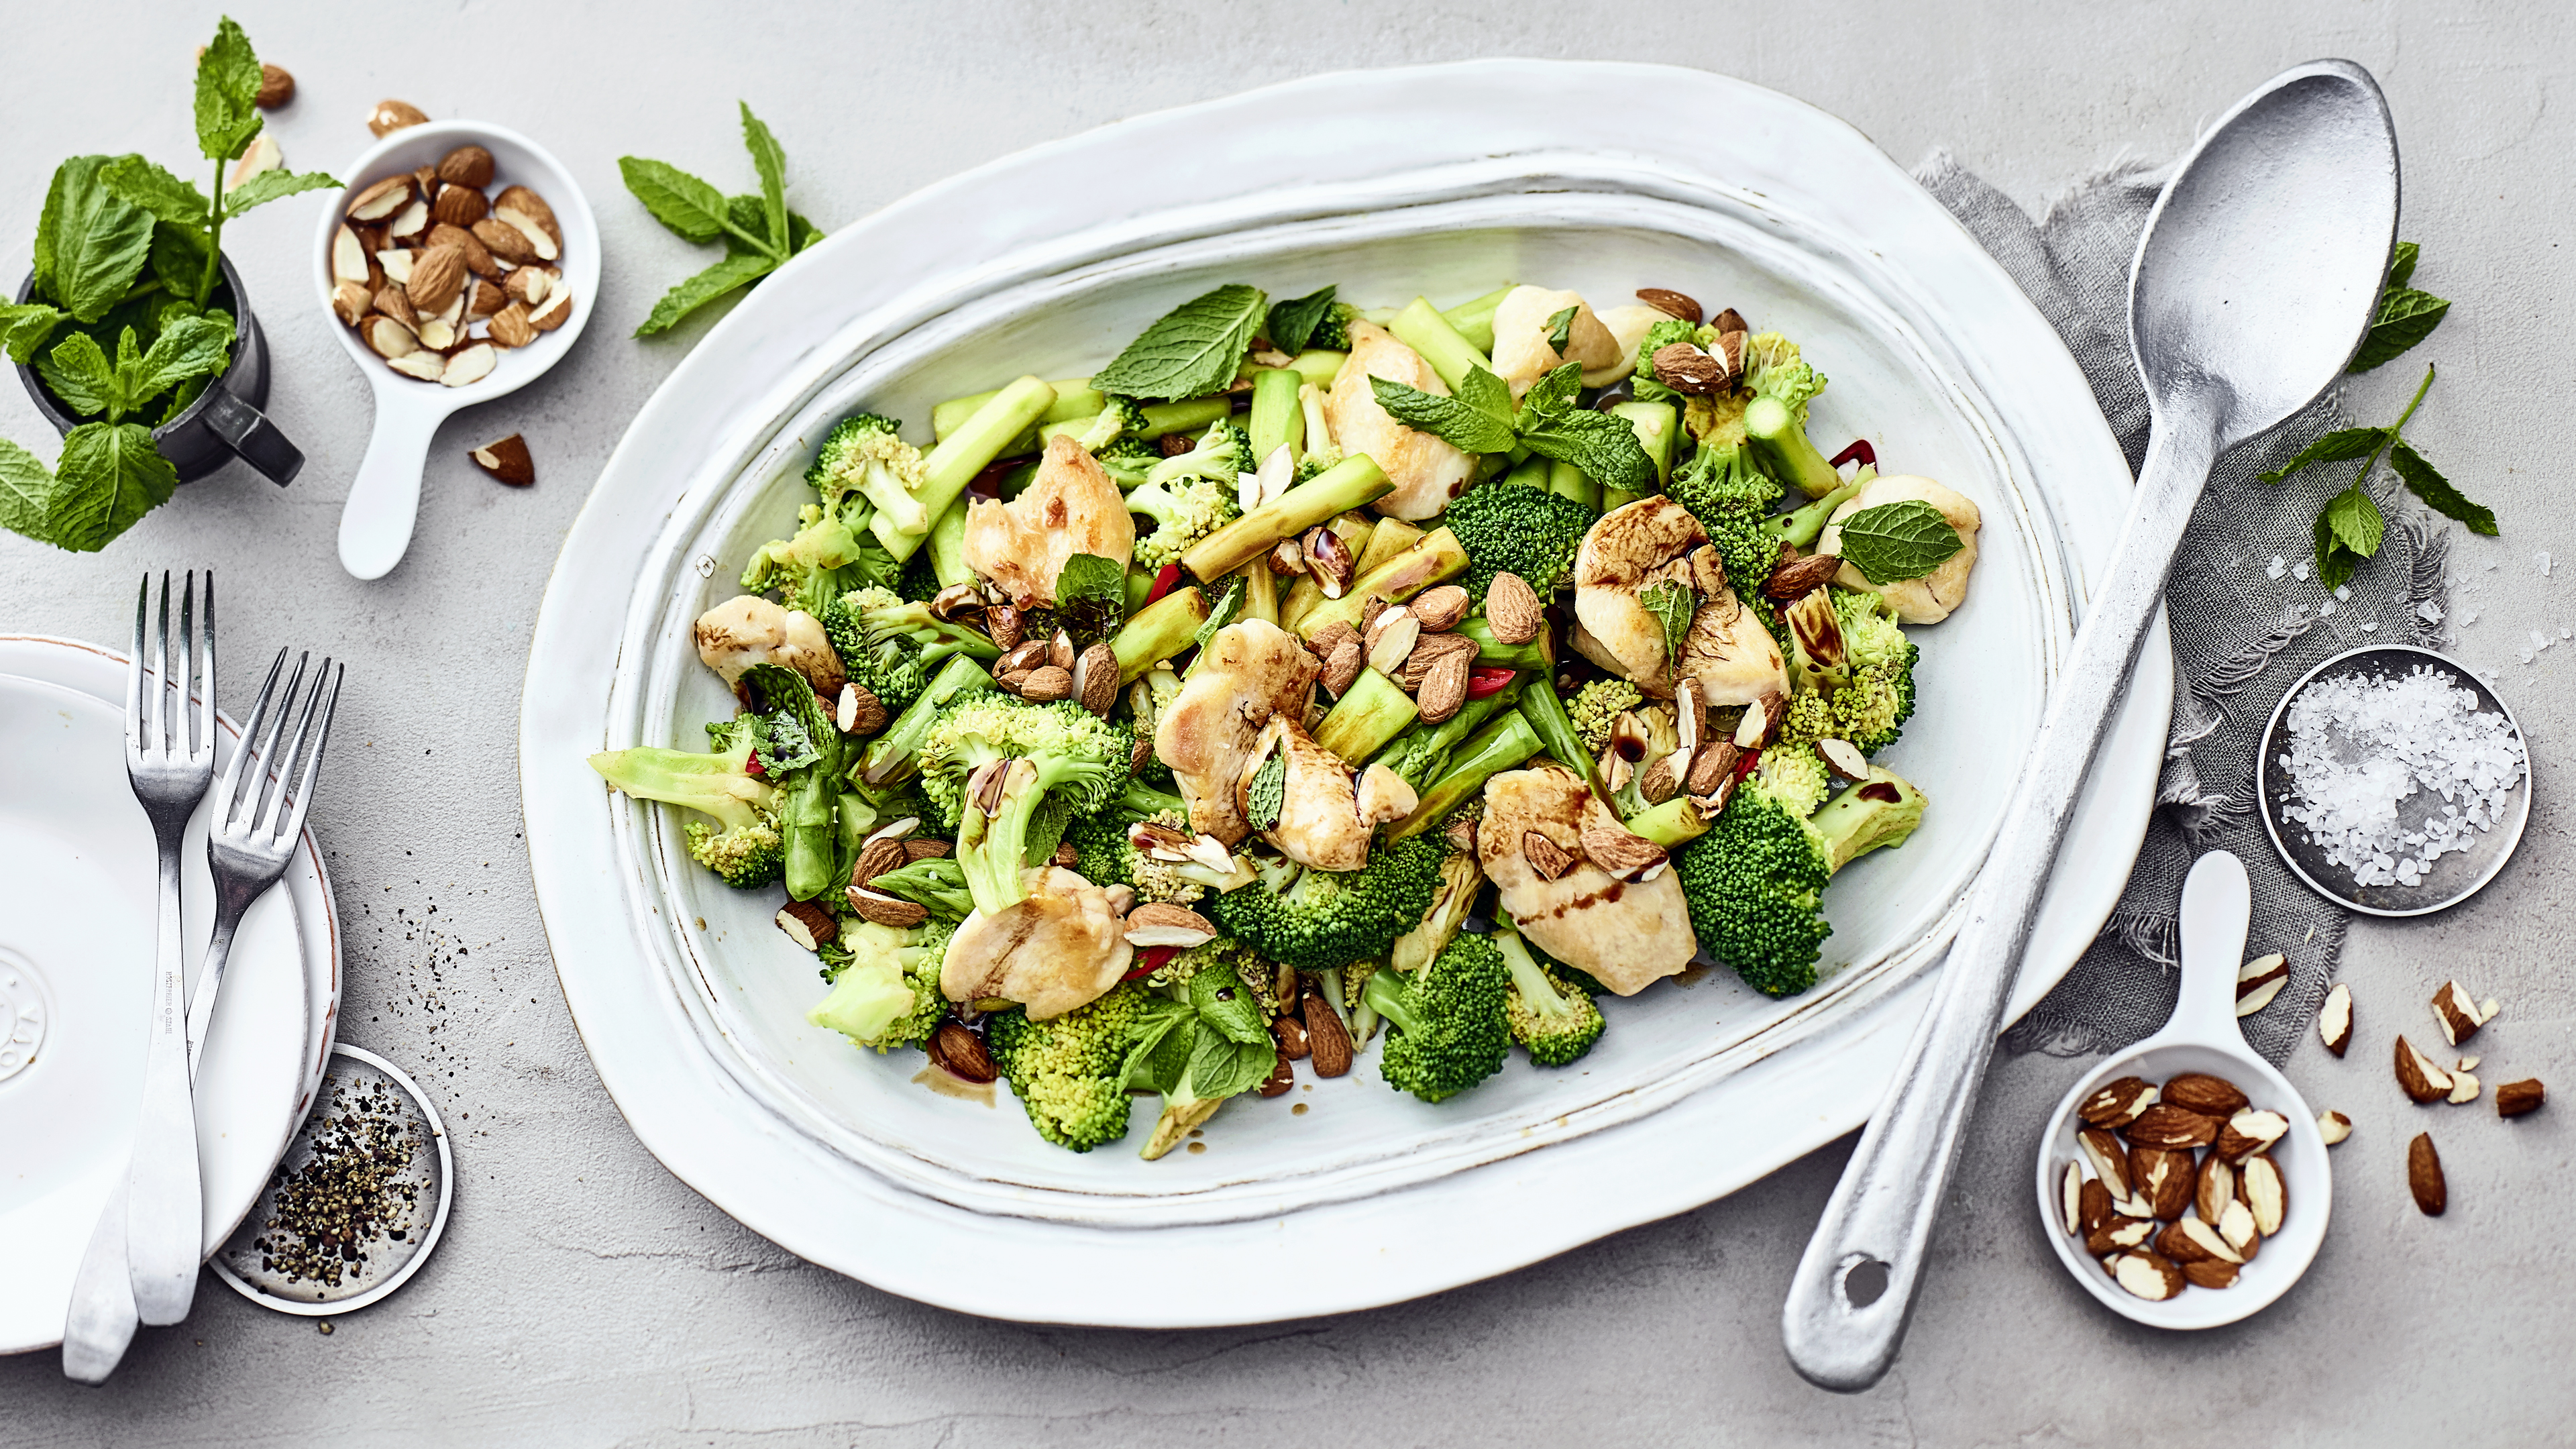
x=1293 y=322
x=759 y=231
x=1897 y=541
x=1549 y=422
x=2349 y=527
x=1191 y=351
x=1674 y=604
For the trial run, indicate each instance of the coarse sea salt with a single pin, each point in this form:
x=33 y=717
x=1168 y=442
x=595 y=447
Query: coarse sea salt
x=2369 y=752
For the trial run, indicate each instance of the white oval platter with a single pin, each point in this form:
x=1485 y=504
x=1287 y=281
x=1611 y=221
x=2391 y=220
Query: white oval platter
x=1441 y=180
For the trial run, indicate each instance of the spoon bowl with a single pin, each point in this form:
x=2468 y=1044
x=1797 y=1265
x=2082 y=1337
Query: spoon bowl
x=384 y=498
x=2202 y=1036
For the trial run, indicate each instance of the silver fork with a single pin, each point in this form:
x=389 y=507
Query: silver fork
x=249 y=846
x=170 y=758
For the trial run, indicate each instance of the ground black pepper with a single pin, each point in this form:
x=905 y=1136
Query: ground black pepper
x=353 y=1188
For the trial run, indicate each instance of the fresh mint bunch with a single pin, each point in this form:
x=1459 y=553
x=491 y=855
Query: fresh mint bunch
x=127 y=257
x=759 y=232
x=1549 y=422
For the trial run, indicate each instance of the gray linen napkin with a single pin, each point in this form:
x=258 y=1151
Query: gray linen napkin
x=2241 y=638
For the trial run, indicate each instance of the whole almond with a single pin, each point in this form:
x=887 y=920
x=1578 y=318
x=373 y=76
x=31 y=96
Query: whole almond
x=1712 y=767
x=1794 y=578
x=466 y=166
x=885 y=910
x=1512 y=611
x=530 y=205
x=478 y=257
x=1004 y=625
x=1444 y=689
x=960 y=1053
x=459 y=206
x=2092 y=1206
x=1616 y=850
x=437 y=279
x=2513 y=1099
x=879 y=856
x=391 y=116
x=1342 y=667
x=1657 y=783
x=1060 y=651
x=1670 y=303
x=2164 y=1178
x=1327 y=1041
x=276 y=87
x=918 y=848
x=1047 y=684
x=1095 y=677
x=1440 y=609
x=1547 y=858
x=2424 y=1176
x=504 y=241
x=2209 y=1096
x=2211 y=1273
x=1282 y=1076
x=1290 y=1033
x=1686 y=369
x=2166 y=1125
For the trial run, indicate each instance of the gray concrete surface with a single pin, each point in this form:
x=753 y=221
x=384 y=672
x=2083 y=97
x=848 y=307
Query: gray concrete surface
x=584 y=1296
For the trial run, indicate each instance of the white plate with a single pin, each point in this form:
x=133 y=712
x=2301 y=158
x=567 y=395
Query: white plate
x=77 y=903
x=1439 y=179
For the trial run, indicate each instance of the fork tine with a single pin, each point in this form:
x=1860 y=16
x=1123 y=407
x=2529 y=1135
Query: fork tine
x=134 y=670
x=312 y=752
x=239 y=769
x=256 y=799
x=183 y=735
x=160 y=736
x=275 y=815
x=205 y=737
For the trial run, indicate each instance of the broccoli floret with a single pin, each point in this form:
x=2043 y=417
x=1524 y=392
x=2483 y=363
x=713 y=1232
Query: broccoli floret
x=1128 y=459
x=1872 y=710
x=1553 y=1019
x=879 y=614
x=1184 y=511
x=1646 y=385
x=937 y=884
x=1070 y=1072
x=1755 y=882
x=1596 y=707
x=1513 y=529
x=886 y=994
x=1121 y=418
x=1222 y=452
x=888 y=665
x=1774 y=368
x=829 y=554
x=1722 y=479
x=1461 y=881
x=1332 y=918
x=1059 y=753
x=1796 y=775
x=1259 y=976
x=1106 y=856
x=1450 y=1027
x=1810 y=718
x=866 y=455
x=1333 y=334
x=745 y=847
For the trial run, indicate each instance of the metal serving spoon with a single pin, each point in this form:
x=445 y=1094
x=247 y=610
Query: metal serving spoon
x=2254 y=284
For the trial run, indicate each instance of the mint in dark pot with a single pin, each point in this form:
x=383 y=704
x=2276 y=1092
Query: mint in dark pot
x=132 y=333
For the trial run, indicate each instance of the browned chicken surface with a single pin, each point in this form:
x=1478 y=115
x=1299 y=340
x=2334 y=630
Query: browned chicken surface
x=1070 y=507
x=1060 y=948
x=1625 y=934
x=1319 y=816
x=1248 y=673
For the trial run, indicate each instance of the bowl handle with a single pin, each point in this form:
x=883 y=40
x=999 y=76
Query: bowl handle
x=384 y=499
x=248 y=432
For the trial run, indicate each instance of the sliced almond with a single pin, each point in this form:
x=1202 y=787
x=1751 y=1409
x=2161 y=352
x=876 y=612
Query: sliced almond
x=2117 y=1104
x=427 y=366
x=2334 y=1019
x=2200 y=1092
x=1390 y=639
x=2464 y=1088
x=486 y=299
x=2071 y=1197
x=886 y=910
x=469 y=366
x=541 y=243
x=2264 y=1192
x=390 y=338
x=2236 y=1227
x=2118 y=1232
x=555 y=311
x=380 y=199
x=528 y=284
x=348 y=258
x=261 y=155
x=2487 y=1010
x=2166 y=1125
x=2424 y=1176
x=808 y=925
x=411 y=221
x=2250 y=1131
x=2147 y=1275
x=1547 y=858
x=2335 y=1126
x=1512 y=611
x=504 y=241
x=396 y=264
x=1844 y=758
x=2259 y=980
x=2456 y=1011
x=2422 y=1080
x=349 y=301
x=1161 y=923
x=1622 y=853
x=437 y=334
x=2110 y=1160
x=508 y=462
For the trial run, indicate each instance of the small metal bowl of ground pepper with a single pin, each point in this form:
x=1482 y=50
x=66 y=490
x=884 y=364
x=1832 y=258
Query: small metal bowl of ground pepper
x=356 y=1204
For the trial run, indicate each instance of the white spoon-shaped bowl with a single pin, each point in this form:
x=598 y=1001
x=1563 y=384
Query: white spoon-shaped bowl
x=384 y=498
x=2203 y=1037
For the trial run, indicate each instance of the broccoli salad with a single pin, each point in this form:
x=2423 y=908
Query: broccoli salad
x=1371 y=689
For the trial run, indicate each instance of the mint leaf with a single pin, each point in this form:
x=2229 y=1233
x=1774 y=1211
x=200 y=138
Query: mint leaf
x=747 y=217
x=1293 y=322
x=771 y=162
x=1674 y=604
x=1089 y=578
x=1898 y=541
x=90 y=243
x=2354 y=521
x=1604 y=447
x=26 y=485
x=2428 y=484
x=2339 y=446
x=1190 y=351
x=141 y=183
x=268 y=186
x=1159 y=1046
x=188 y=347
x=2401 y=264
x=675 y=198
x=110 y=476
x=705 y=287
x=79 y=375
x=178 y=258
x=2405 y=318
x=1229 y=602
x=1456 y=421
x=24 y=326
x=1560 y=330
x=1217 y=994
x=227 y=93
x=1487 y=394
x=1268 y=793
x=1221 y=1067
x=1556 y=391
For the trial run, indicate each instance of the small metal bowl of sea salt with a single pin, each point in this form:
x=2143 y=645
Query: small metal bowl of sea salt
x=2394 y=781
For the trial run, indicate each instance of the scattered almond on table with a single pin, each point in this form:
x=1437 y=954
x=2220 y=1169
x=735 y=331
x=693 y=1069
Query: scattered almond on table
x=507 y=461
x=2158 y=1217
x=439 y=277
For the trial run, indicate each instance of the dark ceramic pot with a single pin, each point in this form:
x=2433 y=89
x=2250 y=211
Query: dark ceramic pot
x=224 y=423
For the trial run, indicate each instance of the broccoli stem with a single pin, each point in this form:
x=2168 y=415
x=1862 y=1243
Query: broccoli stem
x=1802 y=526
x=1188 y=416
x=1140 y=801
x=1319 y=434
x=948 y=547
x=989 y=846
x=1877 y=813
x=1260 y=592
x=1433 y=558
x=1775 y=434
x=1319 y=365
x=891 y=756
x=1375 y=711
x=1531 y=982
x=1384 y=992
x=1474 y=320
x=1505 y=744
x=1355 y=482
x=1657 y=427
x=1074 y=398
x=1163 y=629
x=1421 y=754
x=1276 y=421
x=1565 y=480
x=1421 y=327
x=1530 y=472
x=1672 y=825
x=950 y=466
x=1546 y=714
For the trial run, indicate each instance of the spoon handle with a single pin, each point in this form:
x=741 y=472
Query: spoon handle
x=384 y=499
x=1840 y=1334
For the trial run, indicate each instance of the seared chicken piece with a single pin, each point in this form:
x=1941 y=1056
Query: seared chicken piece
x=748 y=630
x=1628 y=326
x=1931 y=598
x=1319 y=816
x=1521 y=353
x=1734 y=658
x=1625 y=934
x=1427 y=471
x=1652 y=541
x=1059 y=948
x=1248 y=673
x=1071 y=507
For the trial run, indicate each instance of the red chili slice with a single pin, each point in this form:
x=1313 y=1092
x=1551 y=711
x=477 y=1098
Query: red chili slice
x=1859 y=449
x=1744 y=764
x=1149 y=961
x=1163 y=582
x=1488 y=681
x=754 y=768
